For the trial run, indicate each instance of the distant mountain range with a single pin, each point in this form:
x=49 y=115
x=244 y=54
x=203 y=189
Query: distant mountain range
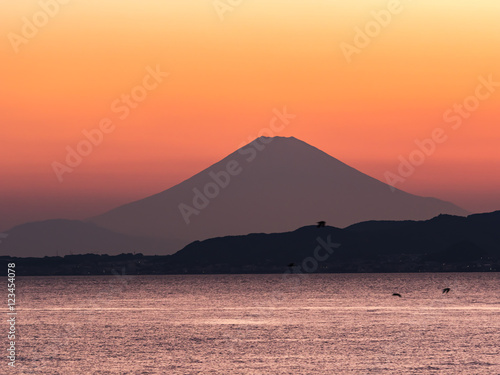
x=270 y=185
x=444 y=243
x=62 y=237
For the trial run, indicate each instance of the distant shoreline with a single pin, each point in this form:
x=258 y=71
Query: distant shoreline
x=138 y=264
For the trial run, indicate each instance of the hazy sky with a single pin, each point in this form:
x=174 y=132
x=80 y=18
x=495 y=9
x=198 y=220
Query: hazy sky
x=64 y=70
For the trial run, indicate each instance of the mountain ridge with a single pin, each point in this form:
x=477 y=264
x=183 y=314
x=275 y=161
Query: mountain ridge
x=409 y=246
x=426 y=243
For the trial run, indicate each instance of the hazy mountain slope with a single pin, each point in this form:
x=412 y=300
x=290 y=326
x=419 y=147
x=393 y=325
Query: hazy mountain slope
x=62 y=237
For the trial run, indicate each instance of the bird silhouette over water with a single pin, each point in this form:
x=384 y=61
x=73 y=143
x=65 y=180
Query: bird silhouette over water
x=321 y=224
x=446 y=290
x=396 y=295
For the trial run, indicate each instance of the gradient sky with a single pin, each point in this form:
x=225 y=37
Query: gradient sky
x=226 y=77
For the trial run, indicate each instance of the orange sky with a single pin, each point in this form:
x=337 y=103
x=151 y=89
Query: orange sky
x=226 y=75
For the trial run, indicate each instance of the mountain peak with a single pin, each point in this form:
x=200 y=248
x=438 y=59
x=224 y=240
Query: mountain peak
x=278 y=137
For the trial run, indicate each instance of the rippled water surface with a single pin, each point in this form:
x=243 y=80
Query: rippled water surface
x=259 y=324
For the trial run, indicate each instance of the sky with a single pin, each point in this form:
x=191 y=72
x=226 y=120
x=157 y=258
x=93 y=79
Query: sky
x=167 y=88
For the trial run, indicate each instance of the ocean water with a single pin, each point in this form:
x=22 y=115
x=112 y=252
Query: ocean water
x=258 y=324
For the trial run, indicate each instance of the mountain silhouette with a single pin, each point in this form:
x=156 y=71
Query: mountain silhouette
x=63 y=237
x=446 y=238
x=269 y=185
x=444 y=243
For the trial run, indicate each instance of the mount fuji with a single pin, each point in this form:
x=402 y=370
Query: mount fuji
x=273 y=184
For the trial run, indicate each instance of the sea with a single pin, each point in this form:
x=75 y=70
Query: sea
x=257 y=324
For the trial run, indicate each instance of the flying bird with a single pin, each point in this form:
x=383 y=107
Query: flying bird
x=396 y=295
x=291 y=265
x=321 y=224
x=446 y=290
